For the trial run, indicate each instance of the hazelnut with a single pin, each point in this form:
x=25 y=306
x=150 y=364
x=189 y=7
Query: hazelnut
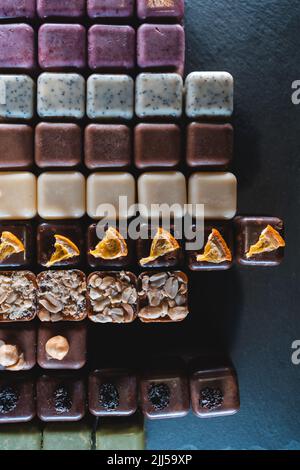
x=9 y=355
x=57 y=347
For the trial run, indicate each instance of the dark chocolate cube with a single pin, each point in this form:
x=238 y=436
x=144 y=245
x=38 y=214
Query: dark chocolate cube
x=157 y=145
x=214 y=390
x=16 y=398
x=17 y=9
x=24 y=338
x=57 y=8
x=248 y=231
x=46 y=241
x=169 y=260
x=76 y=337
x=92 y=242
x=23 y=232
x=60 y=397
x=209 y=145
x=112 y=392
x=57 y=145
x=16 y=146
x=107 y=146
x=226 y=231
x=164 y=393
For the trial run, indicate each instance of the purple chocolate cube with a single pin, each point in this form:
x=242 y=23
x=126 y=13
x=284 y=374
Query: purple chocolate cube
x=110 y=8
x=16 y=46
x=60 y=8
x=161 y=47
x=111 y=47
x=147 y=9
x=62 y=46
x=17 y=9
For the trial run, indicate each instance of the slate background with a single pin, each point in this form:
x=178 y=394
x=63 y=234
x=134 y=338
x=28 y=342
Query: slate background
x=255 y=316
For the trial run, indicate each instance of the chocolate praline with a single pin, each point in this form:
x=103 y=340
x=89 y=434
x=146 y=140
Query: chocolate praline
x=76 y=339
x=23 y=231
x=214 y=388
x=46 y=240
x=248 y=231
x=16 y=398
x=60 y=397
x=112 y=392
x=24 y=339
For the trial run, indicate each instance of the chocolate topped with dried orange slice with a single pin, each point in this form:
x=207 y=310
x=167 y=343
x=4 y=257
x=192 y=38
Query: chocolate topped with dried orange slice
x=15 y=244
x=260 y=240
x=164 y=249
x=112 y=250
x=59 y=244
x=217 y=250
x=112 y=246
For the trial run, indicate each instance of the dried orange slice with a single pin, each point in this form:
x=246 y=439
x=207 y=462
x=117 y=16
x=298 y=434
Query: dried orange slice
x=112 y=246
x=162 y=243
x=269 y=240
x=216 y=249
x=64 y=249
x=10 y=244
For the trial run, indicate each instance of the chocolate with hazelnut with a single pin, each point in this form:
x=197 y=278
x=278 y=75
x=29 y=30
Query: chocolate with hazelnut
x=61 y=295
x=17 y=296
x=62 y=345
x=17 y=347
x=112 y=297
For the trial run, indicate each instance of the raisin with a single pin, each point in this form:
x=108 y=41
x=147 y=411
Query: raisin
x=211 y=398
x=159 y=396
x=8 y=399
x=109 y=396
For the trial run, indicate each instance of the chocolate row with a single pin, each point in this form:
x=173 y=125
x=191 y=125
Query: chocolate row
x=101 y=47
x=111 y=9
x=105 y=297
x=110 y=434
x=68 y=195
x=102 y=97
x=160 y=394
x=250 y=241
x=112 y=146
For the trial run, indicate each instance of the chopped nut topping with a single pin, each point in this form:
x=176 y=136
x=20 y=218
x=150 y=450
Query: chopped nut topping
x=57 y=347
x=17 y=296
x=112 y=297
x=62 y=295
x=163 y=297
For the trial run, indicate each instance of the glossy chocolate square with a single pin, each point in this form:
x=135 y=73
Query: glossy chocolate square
x=164 y=394
x=112 y=392
x=226 y=231
x=121 y=262
x=62 y=346
x=16 y=144
x=248 y=231
x=214 y=391
x=157 y=145
x=209 y=145
x=23 y=232
x=107 y=146
x=60 y=397
x=17 y=403
x=173 y=259
x=57 y=145
x=46 y=240
x=22 y=347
